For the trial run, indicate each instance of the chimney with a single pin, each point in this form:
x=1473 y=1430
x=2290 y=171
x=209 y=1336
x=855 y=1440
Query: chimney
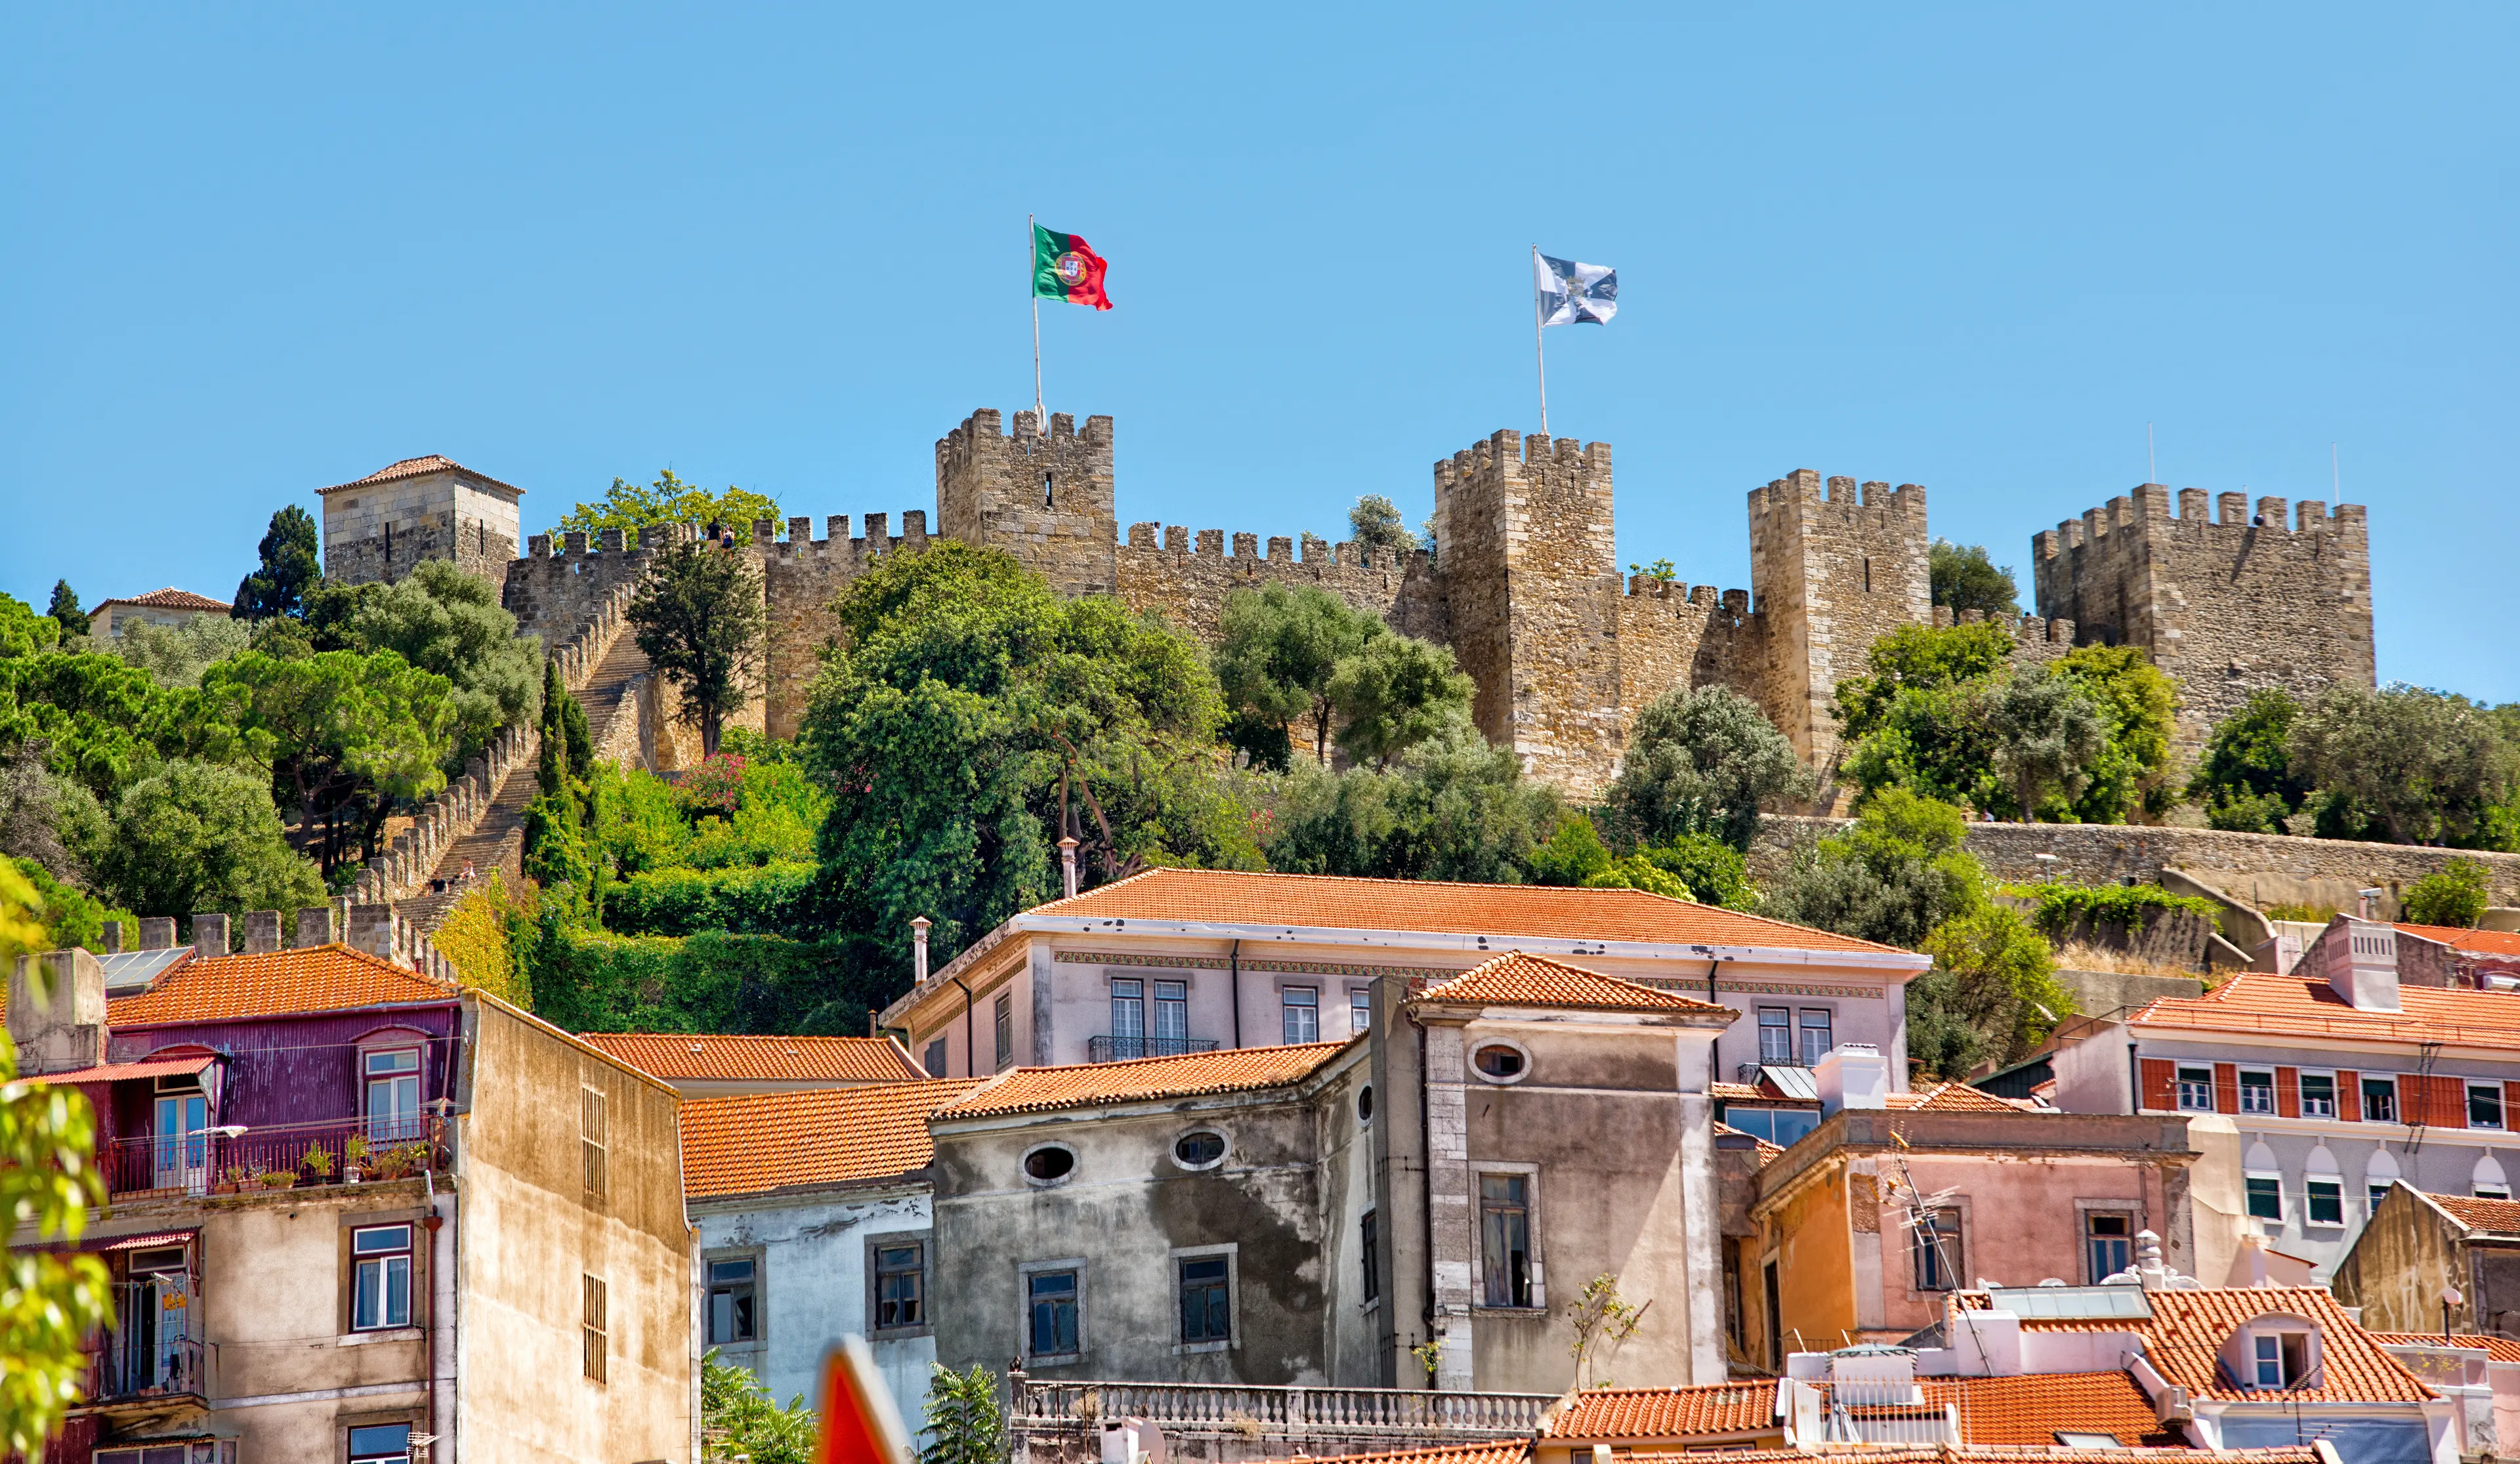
x=2363 y=963
x=261 y=931
x=919 y=950
x=64 y=1031
x=157 y=932
x=209 y=935
x=1851 y=1075
x=314 y=926
x=1067 y=862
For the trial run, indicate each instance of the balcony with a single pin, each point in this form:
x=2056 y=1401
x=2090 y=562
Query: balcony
x=273 y=1156
x=1331 y=1420
x=1124 y=1049
x=125 y=1370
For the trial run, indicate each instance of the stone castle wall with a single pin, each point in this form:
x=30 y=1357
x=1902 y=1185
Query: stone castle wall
x=2229 y=604
x=1833 y=573
x=1185 y=575
x=374 y=534
x=801 y=577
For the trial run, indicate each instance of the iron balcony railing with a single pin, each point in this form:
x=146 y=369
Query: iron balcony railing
x=123 y=1368
x=1122 y=1048
x=273 y=1156
x=1280 y=1411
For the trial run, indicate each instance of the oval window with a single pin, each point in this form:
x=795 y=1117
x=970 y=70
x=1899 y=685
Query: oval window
x=1047 y=1164
x=1196 y=1151
x=1499 y=1061
x=1365 y=1105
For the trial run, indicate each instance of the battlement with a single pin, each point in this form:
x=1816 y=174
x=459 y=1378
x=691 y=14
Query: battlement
x=1047 y=496
x=1536 y=451
x=1209 y=544
x=1843 y=502
x=2233 y=517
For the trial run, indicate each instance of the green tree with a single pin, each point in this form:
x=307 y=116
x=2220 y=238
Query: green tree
x=698 y=618
x=1714 y=872
x=1892 y=876
x=51 y=1298
x=564 y=851
x=349 y=735
x=443 y=620
x=2416 y=766
x=1918 y=658
x=1375 y=524
x=1450 y=808
x=630 y=507
x=196 y=836
x=1964 y=578
x=292 y=566
x=2245 y=780
x=2456 y=894
x=1276 y=652
x=1701 y=761
x=47 y=821
x=1394 y=694
x=23 y=632
x=175 y=655
x=1572 y=856
x=2003 y=979
x=2138 y=707
x=66 y=612
x=735 y=1405
x=105 y=723
x=2046 y=734
x=965 y=1422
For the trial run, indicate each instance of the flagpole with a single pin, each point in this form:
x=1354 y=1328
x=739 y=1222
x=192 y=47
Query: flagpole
x=1539 y=353
x=1032 y=289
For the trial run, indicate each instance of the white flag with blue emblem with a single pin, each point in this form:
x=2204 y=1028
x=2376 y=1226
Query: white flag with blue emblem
x=1571 y=292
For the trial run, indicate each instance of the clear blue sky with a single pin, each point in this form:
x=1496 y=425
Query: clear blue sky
x=253 y=250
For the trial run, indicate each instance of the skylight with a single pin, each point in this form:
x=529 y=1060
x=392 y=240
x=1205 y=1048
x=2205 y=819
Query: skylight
x=2071 y=1303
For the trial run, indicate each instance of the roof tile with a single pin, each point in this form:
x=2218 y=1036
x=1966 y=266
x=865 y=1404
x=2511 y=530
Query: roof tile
x=1516 y=979
x=1235 y=1070
x=1956 y=1097
x=676 y=1055
x=2185 y=1336
x=757 y=1142
x=2497 y=1348
x=414 y=468
x=1608 y=1413
x=2481 y=942
x=169 y=598
x=2302 y=1006
x=2501 y=1217
x=274 y=983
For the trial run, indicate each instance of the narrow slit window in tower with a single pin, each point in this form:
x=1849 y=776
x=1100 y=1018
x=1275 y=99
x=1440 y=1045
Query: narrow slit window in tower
x=1867 y=575
x=388 y=543
x=1045 y=490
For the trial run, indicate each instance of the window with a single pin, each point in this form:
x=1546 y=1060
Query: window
x=590 y=1138
x=1777 y=1125
x=2491 y=1192
x=1206 y=1303
x=1776 y=1035
x=1172 y=1018
x=1816 y=1042
x=1003 y=1015
x=900 y=1285
x=1128 y=1015
x=182 y=1151
x=2326 y=1201
x=2484 y=1105
x=2281 y=1358
x=2108 y=1238
x=1365 y=1105
x=1303 y=1012
x=2071 y=1439
x=1939 y=1262
x=1199 y=1150
x=2266 y=1196
x=380 y=1278
x=1050 y=1164
x=2318 y=1096
x=2257 y=1091
x=392 y=1093
x=1499 y=1062
x=593 y=1337
x=2197 y=1090
x=1505 y=1240
x=380 y=1443
x=2376 y=1192
x=1051 y=1296
x=733 y=1316
x=935 y=1063
x=1360 y=1011
x=1368 y=1244
x=2380 y=1100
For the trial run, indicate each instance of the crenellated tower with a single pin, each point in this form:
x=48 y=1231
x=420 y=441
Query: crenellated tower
x=1831 y=572
x=377 y=529
x=1047 y=499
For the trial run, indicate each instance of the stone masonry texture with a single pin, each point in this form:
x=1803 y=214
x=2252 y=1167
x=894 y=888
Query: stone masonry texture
x=1522 y=584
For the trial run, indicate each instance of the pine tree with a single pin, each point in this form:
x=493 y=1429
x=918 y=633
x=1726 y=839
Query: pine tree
x=65 y=610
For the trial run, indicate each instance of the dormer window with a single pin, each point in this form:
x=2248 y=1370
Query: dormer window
x=392 y=1083
x=2282 y=1358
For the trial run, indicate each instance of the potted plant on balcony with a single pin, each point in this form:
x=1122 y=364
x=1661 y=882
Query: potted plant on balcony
x=319 y=1161
x=276 y=1179
x=354 y=1158
x=236 y=1178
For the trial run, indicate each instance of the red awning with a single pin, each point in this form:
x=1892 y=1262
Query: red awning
x=142 y=1242
x=117 y=1072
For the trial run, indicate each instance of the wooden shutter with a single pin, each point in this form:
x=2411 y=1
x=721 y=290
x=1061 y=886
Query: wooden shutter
x=2288 y=1092
x=2227 y=1087
x=2158 y=1076
x=590 y=1140
x=2445 y=1102
x=2349 y=1096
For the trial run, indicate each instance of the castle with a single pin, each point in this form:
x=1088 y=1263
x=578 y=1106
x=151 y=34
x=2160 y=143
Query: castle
x=1523 y=583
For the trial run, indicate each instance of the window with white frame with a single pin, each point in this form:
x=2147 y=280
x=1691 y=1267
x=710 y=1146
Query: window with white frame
x=2377 y=1190
x=380 y=1443
x=2324 y=1201
x=380 y=1278
x=1172 y=1018
x=2197 y=1090
x=593 y=1155
x=1128 y=1014
x=2257 y=1091
x=1302 y=1006
x=1053 y=1308
x=2379 y=1099
x=2319 y=1095
x=2484 y=1105
x=1776 y=1035
x=1940 y=1262
x=1206 y=1291
x=1505 y=1240
x=1360 y=1011
x=2264 y=1195
x=2279 y=1359
x=1815 y=1035
x=392 y=1093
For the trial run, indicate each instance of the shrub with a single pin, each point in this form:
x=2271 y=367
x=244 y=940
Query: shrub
x=2061 y=906
x=2455 y=893
x=476 y=937
x=762 y=900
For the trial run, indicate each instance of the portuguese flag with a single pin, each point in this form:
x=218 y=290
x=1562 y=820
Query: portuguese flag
x=1066 y=268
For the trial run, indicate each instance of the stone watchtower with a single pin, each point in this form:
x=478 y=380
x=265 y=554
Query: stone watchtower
x=1830 y=573
x=1049 y=500
x=1527 y=561
x=2229 y=604
x=432 y=508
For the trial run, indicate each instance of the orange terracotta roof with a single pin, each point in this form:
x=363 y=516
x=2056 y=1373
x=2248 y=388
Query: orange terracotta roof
x=2299 y=1006
x=2028 y=1411
x=1768 y=1149
x=2483 y=941
x=1955 y=1098
x=1516 y=979
x=758 y=1142
x=2185 y=1336
x=2500 y=1216
x=1339 y=903
x=413 y=468
x=1608 y=1413
x=1041 y=1090
x=672 y=1055
x=1734 y=1092
x=2497 y=1349
x=124 y=1071
x=169 y=599
x=273 y=983
x=1510 y=1451
x=2013 y=1454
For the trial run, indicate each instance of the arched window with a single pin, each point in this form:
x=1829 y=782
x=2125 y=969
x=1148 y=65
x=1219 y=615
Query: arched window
x=2488 y=1182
